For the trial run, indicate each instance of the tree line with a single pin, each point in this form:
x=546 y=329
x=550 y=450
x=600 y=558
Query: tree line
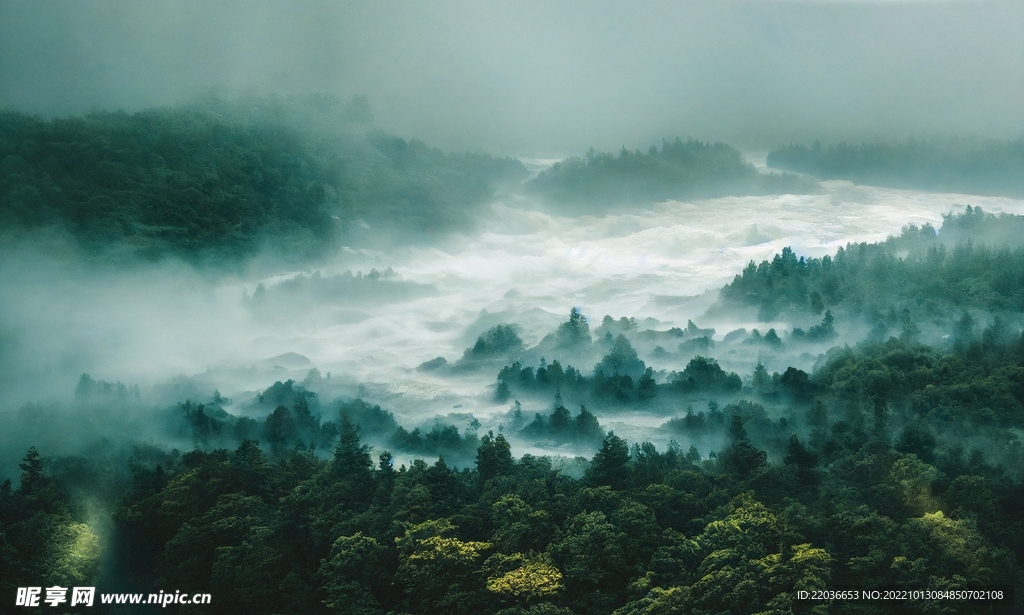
x=679 y=170
x=966 y=165
x=219 y=179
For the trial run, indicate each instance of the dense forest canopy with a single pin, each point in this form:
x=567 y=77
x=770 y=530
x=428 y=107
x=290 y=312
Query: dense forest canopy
x=975 y=261
x=220 y=180
x=679 y=170
x=856 y=486
x=953 y=165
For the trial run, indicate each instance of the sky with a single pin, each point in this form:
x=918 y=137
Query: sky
x=518 y=77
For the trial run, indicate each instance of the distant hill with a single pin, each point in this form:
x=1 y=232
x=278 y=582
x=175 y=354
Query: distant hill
x=679 y=170
x=223 y=178
x=953 y=165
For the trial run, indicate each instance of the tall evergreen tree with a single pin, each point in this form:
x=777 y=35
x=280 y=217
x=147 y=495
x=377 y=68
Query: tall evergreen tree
x=610 y=465
x=493 y=457
x=351 y=456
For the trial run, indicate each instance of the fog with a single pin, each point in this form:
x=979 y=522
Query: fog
x=519 y=77
x=311 y=305
x=182 y=333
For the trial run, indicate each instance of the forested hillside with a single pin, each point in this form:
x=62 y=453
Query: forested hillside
x=952 y=165
x=219 y=179
x=679 y=170
x=974 y=262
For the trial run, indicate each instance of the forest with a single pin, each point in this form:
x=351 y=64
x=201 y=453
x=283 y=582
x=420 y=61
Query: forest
x=966 y=165
x=219 y=180
x=895 y=462
x=216 y=180
x=512 y=308
x=679 y=170
x=923 y=277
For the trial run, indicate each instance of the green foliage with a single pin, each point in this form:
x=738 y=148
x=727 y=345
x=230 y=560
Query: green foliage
x=610 y=464
x=442 y=439
x=220 y=179
x=561 y=427
x=352 y=575
x=440 y=573
x=645 y=531
x=591 y=553
x=494 y=457
x=621 y=361
x=575 y=332
x=551 y=377
x=741 y=458
x=680 y=170
x=892 y=285
x=39 y=537
x=498 y=340
x=620 y=375
x=523 y=578
x=944 y=388
x=372 y=420
x=351 y=457
x=704 y=374
x=647 y=387
x=519 y=526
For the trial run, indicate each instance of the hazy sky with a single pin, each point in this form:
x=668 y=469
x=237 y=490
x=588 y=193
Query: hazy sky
x=513 y=77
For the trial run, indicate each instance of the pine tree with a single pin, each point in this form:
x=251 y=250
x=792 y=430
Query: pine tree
x=351 y=456
x=610 y=464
